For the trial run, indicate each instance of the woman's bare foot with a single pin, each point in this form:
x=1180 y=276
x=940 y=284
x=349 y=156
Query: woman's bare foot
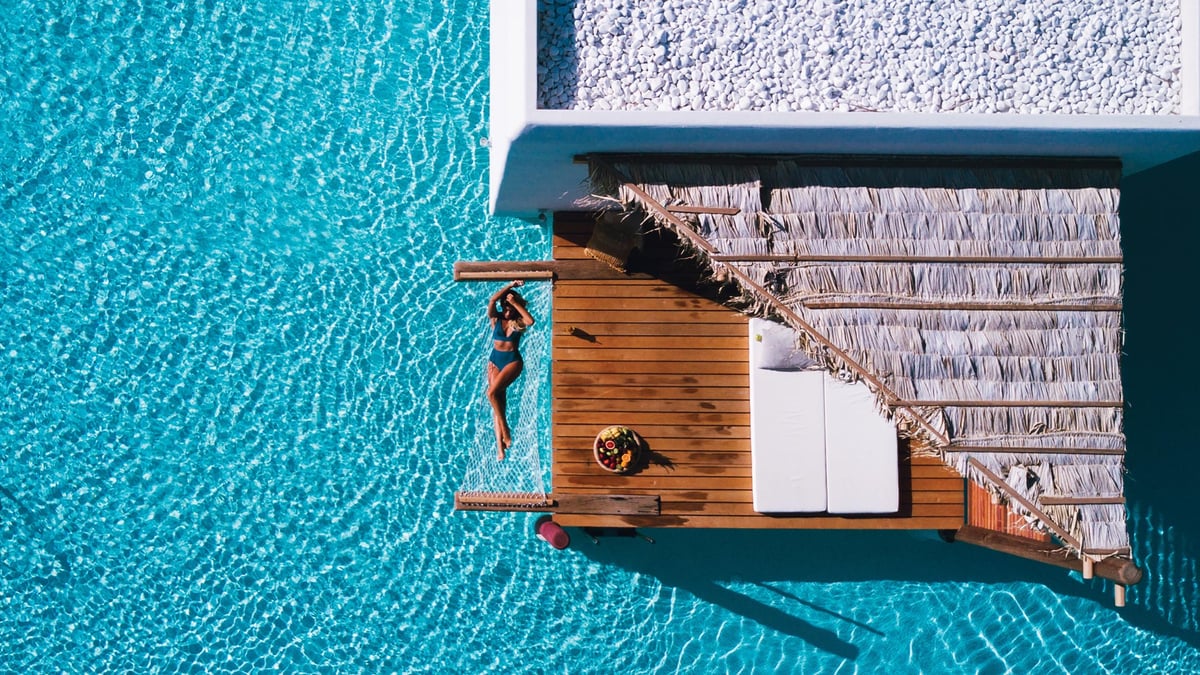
x=501 y=454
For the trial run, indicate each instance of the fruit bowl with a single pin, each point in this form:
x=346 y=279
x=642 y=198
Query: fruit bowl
x=617 y=449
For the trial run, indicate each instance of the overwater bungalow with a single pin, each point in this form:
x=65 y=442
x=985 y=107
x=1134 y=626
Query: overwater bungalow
x=887 y=321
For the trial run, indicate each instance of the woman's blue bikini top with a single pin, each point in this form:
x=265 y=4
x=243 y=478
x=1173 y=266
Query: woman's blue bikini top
x=499 y=335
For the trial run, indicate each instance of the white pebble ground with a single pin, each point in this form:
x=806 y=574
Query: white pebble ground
x=969 y=56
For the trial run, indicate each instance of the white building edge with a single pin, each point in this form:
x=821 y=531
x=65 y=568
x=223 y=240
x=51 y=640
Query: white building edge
x=532 y=150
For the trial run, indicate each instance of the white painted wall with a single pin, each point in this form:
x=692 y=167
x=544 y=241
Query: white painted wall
x=532 y=150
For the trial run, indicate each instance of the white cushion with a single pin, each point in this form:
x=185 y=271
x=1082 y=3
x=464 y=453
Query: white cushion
x=773 y=346
x=861 y=454
x=787 y=436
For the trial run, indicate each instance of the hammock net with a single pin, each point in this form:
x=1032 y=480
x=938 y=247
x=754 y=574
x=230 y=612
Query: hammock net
x=519 y=477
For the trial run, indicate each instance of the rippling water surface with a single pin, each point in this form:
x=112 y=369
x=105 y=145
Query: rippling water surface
x=237 y=385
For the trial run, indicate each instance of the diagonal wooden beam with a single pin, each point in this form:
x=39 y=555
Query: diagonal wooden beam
x=778 y=305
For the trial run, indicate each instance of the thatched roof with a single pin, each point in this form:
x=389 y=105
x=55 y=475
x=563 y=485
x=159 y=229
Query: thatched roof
x=982 y=304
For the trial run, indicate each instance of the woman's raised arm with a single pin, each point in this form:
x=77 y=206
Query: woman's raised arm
x=491 y=310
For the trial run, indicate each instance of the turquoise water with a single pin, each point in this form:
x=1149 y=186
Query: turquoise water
x=238 y=385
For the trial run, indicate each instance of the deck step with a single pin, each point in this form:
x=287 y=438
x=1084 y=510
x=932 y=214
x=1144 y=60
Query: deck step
x=608 y=505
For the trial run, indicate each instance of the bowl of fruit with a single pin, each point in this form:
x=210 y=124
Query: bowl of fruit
x=617 y=449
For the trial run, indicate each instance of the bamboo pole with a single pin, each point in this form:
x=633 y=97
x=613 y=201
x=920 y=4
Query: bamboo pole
x=919 y=259
x=963 y=306
x=1051 y=500
x=715 y=210
x=1026 y=449
x=1016 y=404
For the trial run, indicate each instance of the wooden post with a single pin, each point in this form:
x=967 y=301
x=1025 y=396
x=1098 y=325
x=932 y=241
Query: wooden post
x=1088 y=570
x=1119 y=595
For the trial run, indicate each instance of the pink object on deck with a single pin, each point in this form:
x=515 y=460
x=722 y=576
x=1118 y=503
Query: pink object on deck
x=552 y=533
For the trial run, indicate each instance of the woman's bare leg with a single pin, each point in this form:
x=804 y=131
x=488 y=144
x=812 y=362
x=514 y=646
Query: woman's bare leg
x=498 y=397
x=497 y=420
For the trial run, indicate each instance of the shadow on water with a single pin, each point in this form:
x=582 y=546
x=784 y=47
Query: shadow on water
x=1161 y=229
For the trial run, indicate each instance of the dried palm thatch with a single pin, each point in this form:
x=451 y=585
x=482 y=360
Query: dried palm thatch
x=982 y=304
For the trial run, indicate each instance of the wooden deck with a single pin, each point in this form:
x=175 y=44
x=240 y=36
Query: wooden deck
x=655 y=351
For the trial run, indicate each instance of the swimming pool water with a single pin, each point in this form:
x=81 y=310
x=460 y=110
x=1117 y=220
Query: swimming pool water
x=238 y=385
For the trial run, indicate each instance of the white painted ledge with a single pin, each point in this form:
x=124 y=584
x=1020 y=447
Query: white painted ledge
x=532 y=149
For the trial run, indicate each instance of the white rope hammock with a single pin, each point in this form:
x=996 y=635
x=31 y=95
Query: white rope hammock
x=519 y=476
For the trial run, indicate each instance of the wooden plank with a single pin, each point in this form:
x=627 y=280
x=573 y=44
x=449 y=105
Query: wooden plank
x=646 y=419
x=762 y=522
x=606 y=291
x=654 y=367
x=641 y=303
x=630 y=393
x=679 y=461
x=611 y=325
x=604 y=343
x=581 y=463
x=656 y=482
x=660 y=355
x=661 y=444
x=615 y=404
x=646 y=505
x=689 y=380
x=579 y=317
x=747 y=509
x=652 y=431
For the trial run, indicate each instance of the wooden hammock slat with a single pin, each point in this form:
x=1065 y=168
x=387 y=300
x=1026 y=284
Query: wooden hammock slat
x=1066 y=260
x=503 y=270
x=1029 y=506
x=475 y=501
x=702 y=243
x=1052 y=500
x=962 y=306
x=1015 y=404
x=1028 y=449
